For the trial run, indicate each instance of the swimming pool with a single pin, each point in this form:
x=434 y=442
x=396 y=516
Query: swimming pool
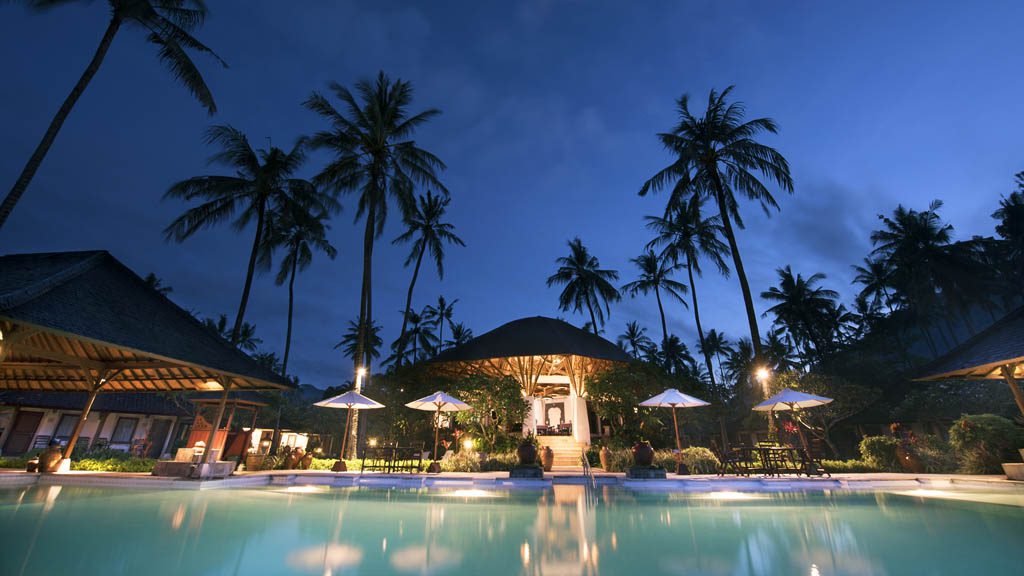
x=561 y=530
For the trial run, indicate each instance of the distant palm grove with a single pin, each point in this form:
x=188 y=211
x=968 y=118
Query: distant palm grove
x=921 y=289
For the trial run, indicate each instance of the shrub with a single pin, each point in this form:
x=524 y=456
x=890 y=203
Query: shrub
x=115 y=465
x=983 y=441
x=500 y=462
x=935 y=454
x=848 y=466
x=700 y=460
x=464 y=461
x=100 y=454
x=880 y=452
x=14 y=462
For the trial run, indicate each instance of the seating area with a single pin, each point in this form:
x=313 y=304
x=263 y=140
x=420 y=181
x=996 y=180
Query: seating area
x=392 y=458
x=559 y=430
x=768 y=460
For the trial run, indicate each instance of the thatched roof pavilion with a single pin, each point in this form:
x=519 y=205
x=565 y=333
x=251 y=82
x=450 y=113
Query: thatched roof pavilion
x=551 y=359
x=82 y=321
x=995 y=353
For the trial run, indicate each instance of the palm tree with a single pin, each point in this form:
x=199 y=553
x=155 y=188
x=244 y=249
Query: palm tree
x=803 y=309
x=436 y=316
x=376 y=158
x=635 y=339
x=739 y=364
x=424 y=224
x=716 y=344
x=245 y=339
x=300 y=230
x=874 y=275
x=586 y=284
x=1011 y=218
x=675 y=357
x=261 y=187
x=655 y=276
x=349 y=343
x=169 y=25
x=460 y=335
x=686 y=236
x=716 y=157
x=156 y=283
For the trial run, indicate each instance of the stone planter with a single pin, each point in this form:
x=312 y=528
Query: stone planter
x=604 y=455
x=643 y=454
x=527 y=453
x=547 y=458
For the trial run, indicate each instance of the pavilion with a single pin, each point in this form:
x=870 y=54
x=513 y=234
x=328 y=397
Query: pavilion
x=551 y=359
x=83 y=321
x=995 y=353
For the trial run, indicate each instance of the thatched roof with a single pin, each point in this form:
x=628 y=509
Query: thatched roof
x=69 y=318
x=121 y=402
x=536 y=336
x=984 y=354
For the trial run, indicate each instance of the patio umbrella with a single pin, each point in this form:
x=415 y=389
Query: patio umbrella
x=673 y=399
x=353 y=401
x=438 y=402
x=789 y=399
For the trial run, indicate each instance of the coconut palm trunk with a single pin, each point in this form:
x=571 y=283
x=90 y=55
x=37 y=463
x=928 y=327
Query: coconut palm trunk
x=408 y=302
x=362 y=356
x=36 y=160
x=593 y=319
x=730 y=235
x=661 y=310
x=261 y=215
x=291 y=309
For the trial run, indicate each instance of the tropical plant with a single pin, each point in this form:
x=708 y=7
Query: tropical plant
x=350 y=341
x=460 y=335
x=156 y=283
x=586 y=284
x=299 y=230
x=498 y=404
x=245 y=338
x=686 y=236
x=675 y=357
x=716 y=344
x=262 y=186
x=425 y=228
x=376 y=158
x=804 y=310
x=437 y=316
x=635 y=340
x=420 y=336
x=169 y=25
x=717 y=157
x=655 y=276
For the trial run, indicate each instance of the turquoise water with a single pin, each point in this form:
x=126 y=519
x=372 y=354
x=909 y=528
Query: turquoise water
x=559 y=531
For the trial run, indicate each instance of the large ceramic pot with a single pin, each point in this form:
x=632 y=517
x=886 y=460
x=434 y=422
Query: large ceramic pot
x=293 y=459
x=604 y=455
x=49 y=459
x=306 y=461
x=527 y=453
x=547 y=458
x=643 y=454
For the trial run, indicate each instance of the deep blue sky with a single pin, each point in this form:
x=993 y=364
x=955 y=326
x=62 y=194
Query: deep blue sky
x=550 y=111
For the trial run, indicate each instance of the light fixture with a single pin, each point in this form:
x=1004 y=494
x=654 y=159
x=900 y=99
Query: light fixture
x=361 y=371
x=762 y=374
x=211 y=385
x=373 y=442
x=467 y=444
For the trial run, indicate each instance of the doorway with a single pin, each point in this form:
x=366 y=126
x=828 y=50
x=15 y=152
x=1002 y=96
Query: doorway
x=157 y=437
x=22 y=432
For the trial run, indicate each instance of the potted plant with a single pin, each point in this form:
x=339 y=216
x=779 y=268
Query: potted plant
x=527 y=451
x=643 y=454
x=605 y=456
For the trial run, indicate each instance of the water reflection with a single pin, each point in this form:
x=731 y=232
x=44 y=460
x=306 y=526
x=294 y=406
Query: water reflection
x=560 y=531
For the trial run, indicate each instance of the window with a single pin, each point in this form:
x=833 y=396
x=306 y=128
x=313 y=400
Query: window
x=66 y=426
x=124 y=430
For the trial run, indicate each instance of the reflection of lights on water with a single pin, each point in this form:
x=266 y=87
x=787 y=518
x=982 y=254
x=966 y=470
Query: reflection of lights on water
x=615 y=541
x=307 y=489
x=423 y=560
x=51 y=498
x=524 y=552
x=178 y=518
x=926 y=493
x=814 y=570
x=472 y=493
x=384 y=545
x=329 y=557
x=731 y=495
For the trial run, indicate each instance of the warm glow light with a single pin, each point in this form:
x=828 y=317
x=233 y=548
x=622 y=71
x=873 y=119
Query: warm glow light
x=372 y=442
x=731 y=495
x=763 y=374
x=524 y=552
x=360 y=371
x=472 y=493
x=211 y=385
x=307 y=489
x=467 y=444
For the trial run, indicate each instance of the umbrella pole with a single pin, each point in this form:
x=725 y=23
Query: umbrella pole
x=800 y=430
x=344 y=437
x=675 y=422
x=437 y=424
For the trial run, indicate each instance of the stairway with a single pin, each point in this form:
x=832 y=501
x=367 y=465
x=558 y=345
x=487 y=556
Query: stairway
x=567 y=450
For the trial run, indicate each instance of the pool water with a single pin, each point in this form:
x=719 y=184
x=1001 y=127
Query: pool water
x=558 y=531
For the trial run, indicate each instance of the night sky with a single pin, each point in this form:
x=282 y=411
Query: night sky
x=550 y=114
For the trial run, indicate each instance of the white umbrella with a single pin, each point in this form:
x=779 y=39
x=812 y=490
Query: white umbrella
x=439 y=402
x=789 y=399
x=353 y=401
x=673 y=399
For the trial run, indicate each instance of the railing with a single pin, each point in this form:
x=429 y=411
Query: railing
x=588 y=473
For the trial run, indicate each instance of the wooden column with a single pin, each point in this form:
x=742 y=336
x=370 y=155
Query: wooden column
x=97 y=384
x=216 y=421
x=1018 y=396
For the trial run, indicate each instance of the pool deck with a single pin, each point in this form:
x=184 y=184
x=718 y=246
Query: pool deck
x=501 y=481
